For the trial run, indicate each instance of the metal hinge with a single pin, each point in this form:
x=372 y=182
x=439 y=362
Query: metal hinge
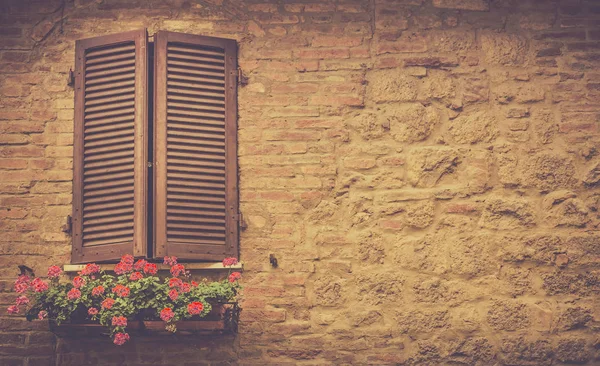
x=68 y=226
x=240 y=219
x=241 y=78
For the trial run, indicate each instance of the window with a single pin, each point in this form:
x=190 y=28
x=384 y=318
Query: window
x=155 y=147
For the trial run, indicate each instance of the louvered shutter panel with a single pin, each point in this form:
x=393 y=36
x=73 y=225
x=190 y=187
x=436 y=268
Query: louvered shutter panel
x=110 y=147
x=196 y=195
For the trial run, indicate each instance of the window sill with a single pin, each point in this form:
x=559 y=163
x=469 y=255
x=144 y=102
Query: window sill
x=71 y=268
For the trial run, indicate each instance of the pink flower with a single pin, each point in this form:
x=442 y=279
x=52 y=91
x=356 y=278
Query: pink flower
x=78 y=282
x=119 y=321
x=177 y=269
x=166 y=314
x=22 y=284
x=121 y=338
x=234 y=276
x=42 y=314
x=22 y=300
x=171 y=261
x=39 y=285
x=228 y=262
x=13 y=309
x=54 y=271
x=108 y=303
x=97 y=291
x=175 y=282
x=173 y=294
x=195 y=308
x=21 y=287
x=136 y=276
x=74 y=294
x=127 y=259
x=139 y=265
x=121 y=291
x=122 y=268
x=150 y=268
x=90 y=268
x=92 y=311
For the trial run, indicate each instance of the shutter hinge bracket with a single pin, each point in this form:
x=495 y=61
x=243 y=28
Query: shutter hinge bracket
x=240 y=219
x=68 y=226
x=242 y=80
x=71 y=78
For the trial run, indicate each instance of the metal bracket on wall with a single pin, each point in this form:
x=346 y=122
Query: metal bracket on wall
x=68 y=226
x=241 y=78
x=71 y=78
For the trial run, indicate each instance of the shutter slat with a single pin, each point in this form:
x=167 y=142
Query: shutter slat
x=191 y=92
x=195 y=162
x=197 y=123
x=114 y=212
x=128 y=63
x=195 y=100
x=92 y=90
x=195 y=219
x=178 y=70
x=196 y=86
x=188 y=48
x=105 y=59
x=191 y=213
x=110 y=219
x=195 y=66
x=112 y=98
x=91 y=54
x=197 y=59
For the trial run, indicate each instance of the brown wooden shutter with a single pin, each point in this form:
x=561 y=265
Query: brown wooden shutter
x=110 y=147
x=196 y=195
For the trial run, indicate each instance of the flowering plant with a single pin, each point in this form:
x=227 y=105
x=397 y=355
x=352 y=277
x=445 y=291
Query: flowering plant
x=134 y=292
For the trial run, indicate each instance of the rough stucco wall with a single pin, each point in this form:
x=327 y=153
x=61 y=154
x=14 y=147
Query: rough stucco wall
x=425 y=171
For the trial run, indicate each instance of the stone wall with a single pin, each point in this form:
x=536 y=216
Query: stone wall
x=426 y=173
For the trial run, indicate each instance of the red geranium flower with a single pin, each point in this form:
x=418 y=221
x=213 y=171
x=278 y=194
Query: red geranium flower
x=108 y=303
x=21 y=287
x=171 y=261
x=195 y=308
x=13 y=309
x=139 y=265
x=166 y=314
x=74 y=294
x=92 y=311
x=136 y=276
x=121 y=291
x=234 y=276
x=173 y=294
x=175 y=282
x=54 y=271
x=78 y=282
x=150 y=268
x=39 y=285
x=42 y=314
x=90 y=268
x=97 y=291
x=177 y=269
x=122 y=268
x=121 y=338
x=194 y=284
x=22 y=300
x=119 y=321
x=127 y=259
x=185 y=287
x=228 y=262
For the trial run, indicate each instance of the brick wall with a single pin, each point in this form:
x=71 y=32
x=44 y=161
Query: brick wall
x=426 y=173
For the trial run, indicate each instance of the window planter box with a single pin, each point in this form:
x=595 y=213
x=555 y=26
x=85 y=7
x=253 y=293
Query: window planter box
x=222 y=319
